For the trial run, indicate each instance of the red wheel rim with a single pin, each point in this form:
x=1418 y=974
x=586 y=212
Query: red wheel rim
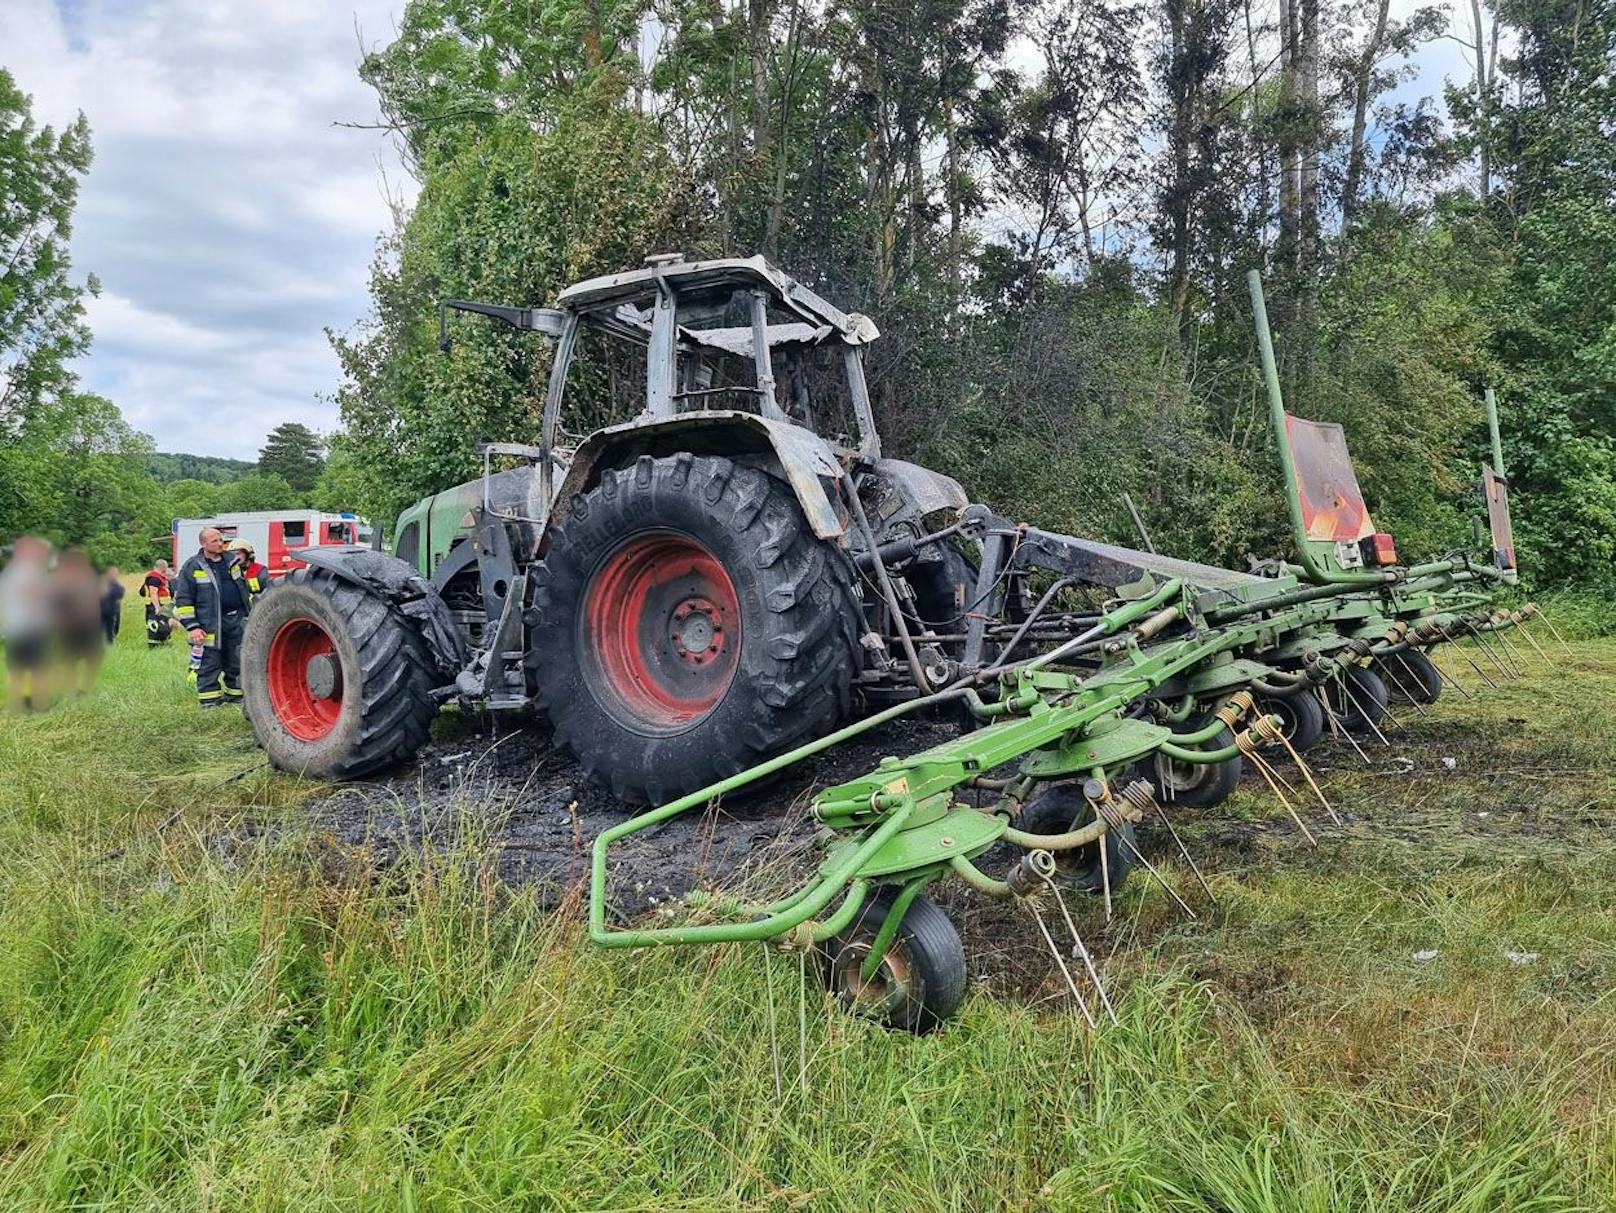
x=304 y=679
x=661 y=635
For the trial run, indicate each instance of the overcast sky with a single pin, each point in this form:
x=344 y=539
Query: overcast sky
x=228 y=219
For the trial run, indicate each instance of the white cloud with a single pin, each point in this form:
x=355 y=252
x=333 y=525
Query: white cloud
x=228 y=219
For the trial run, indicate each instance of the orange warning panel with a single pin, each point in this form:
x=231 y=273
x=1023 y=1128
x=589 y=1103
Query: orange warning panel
x=1333 y=507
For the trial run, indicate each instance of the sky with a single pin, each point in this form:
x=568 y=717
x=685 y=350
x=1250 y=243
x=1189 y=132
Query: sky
x=229 y=219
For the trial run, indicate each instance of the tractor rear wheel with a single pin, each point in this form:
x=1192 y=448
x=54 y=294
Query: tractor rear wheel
x=687 y=624
x=338 y=685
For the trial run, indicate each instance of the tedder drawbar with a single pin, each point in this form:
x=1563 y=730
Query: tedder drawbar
x=708 y=592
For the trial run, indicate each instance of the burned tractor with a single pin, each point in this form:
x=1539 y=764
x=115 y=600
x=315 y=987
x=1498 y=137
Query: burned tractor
x=728 y=574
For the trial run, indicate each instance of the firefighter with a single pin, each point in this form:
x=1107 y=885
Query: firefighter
x=212 y=602
x=157 y=589
x=253 y=571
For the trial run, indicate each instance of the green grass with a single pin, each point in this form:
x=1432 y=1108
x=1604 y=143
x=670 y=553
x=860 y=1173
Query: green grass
x=186 y=1025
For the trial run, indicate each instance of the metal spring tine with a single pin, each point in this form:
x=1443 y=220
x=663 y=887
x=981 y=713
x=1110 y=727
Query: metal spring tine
x=774 y=1039
x=1514 y=653
x=1146 y=864
x=1554 y=631
x=1083 y=952
x=1401 y=686
x=1486 y=648
x=1059 y=960
x=1339 y=728
x=1451 y=680
x=1496 y=639
x=1465 y=653
x=1347 y=691
x=1533 y=641
x=1307 y=773
x=1105 y=868
x=1267 y=772
x=1185 y=852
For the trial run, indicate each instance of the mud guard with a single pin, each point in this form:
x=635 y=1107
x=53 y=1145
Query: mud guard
x=406 y=590
x=806 y=459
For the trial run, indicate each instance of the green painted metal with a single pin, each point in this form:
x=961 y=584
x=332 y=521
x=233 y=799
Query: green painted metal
x=889 y=927
x=1492 y=430
x=1113 y=744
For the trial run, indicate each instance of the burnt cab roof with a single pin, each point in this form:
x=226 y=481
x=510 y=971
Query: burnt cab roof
x=698 y=282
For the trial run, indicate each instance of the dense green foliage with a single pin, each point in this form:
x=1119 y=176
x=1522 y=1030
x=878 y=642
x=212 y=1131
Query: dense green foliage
x=1047 y=279
x=235 y=1012
x=294 y=453
x=166 y=467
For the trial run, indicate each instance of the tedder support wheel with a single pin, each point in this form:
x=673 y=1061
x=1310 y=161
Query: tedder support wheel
x=1358 y=697
x=1197 y=785
x=338 y=685
x=1302 y=715
x=687 y=624
x=1411 y=676
x=920 y=981
x=1061 y=809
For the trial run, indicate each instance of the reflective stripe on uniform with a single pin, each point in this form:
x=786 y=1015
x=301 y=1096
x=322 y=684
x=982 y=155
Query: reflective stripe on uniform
x=215 y=694
x=199 y=574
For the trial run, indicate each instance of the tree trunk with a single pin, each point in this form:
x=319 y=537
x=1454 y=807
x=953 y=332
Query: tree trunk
x=1289 y=165
x=757 y=31
x=1181 y=97
x=1483 y=98
x=1362 y=84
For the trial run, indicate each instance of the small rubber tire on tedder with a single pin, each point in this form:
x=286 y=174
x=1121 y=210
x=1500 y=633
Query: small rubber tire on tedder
x=1358 y=698
x=338 y=684
x=687 y=624
x=920 y=980
x=1194 y=785
x=1411 y=676
x=1063 y=808
x=1301 y=717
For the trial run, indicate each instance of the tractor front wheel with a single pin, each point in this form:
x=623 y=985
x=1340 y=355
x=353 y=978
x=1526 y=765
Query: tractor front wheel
x=338 y=685
x=687 y=624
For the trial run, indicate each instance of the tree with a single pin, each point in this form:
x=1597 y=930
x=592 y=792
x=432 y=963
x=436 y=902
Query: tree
x=294 y=453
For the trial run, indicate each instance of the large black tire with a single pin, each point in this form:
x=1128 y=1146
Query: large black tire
x=1411 y=676
x=1194 y=785
x=1302 y=715
x=687 y=624
x=1361 y=703
x=1061 y=809
x=921 y=979
x=338 y=684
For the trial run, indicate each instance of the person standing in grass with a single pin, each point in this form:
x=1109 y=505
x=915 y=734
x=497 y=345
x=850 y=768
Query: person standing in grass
x=76 y=604
x=25 y=621
x=211 y=602
x=111 y=603
x=155 y=588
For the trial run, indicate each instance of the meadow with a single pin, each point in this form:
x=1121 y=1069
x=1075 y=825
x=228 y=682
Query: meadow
x=205 y=1004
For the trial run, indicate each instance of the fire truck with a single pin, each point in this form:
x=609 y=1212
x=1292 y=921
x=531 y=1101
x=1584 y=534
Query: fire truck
x=274 y=534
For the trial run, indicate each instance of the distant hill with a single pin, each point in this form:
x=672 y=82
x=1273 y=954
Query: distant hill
x=167 y=468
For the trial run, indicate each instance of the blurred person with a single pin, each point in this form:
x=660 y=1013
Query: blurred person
x=253 y=571
x=25 y=620
x=158 y=591
x=111 y=603
x=212 y=602
x=76 y=607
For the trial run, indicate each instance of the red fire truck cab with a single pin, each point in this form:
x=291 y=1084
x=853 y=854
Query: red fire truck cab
x=274 y=534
